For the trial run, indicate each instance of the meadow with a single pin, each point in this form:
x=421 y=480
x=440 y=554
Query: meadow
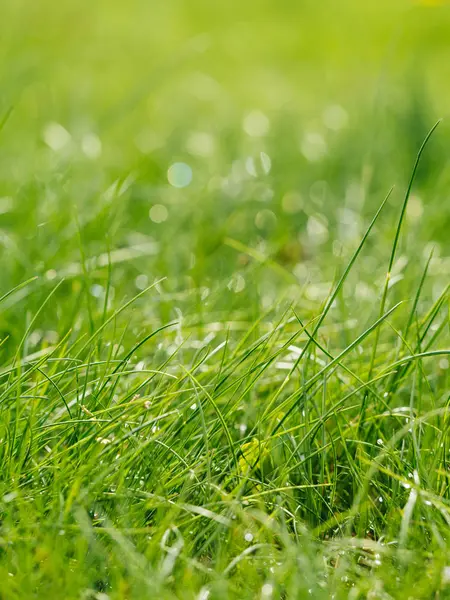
x=224 y=300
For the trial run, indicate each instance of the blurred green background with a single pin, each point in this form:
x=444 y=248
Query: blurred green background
x=237 y=149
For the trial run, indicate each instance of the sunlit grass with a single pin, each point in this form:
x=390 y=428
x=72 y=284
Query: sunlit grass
x=224 y=302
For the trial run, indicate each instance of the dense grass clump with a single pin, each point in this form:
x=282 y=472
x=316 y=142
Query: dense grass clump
x=224 y=324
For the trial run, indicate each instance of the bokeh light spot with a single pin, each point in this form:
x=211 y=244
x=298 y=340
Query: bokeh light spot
x=335 y=117
x=158 y=213
x=179 y=175
x=256 y=124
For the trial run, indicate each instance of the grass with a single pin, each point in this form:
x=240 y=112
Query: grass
x=224 y=301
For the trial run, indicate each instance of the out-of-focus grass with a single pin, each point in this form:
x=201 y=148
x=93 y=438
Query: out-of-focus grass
x=238 y=430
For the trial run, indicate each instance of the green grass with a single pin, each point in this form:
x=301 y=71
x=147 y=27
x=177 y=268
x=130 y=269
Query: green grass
x=228 y=379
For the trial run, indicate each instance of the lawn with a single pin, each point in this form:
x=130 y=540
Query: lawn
x=224 y=300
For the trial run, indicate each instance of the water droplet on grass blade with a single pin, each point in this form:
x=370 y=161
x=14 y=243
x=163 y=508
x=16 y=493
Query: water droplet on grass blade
x=203 y=594
x=237 y=283
x=141 y=281
x=97 y=290
x=267 y=590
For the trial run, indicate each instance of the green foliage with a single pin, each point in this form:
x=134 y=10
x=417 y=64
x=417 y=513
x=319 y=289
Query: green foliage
x=224 y=357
